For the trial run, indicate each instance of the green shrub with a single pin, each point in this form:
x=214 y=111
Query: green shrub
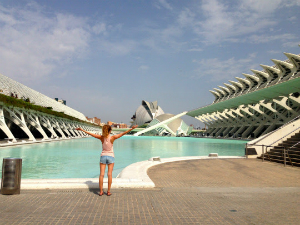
x=143 y=126
x=20 y=103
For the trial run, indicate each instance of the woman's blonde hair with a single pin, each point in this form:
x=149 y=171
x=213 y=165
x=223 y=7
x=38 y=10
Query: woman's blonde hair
x=105 y=130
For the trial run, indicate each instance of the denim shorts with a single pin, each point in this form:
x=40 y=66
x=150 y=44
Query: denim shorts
x=105 y=159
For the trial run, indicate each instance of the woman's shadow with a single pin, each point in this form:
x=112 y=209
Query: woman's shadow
x=93 y=187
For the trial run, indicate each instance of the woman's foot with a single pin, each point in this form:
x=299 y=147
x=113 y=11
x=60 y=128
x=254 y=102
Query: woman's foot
x=100 y=193
x=108 y=193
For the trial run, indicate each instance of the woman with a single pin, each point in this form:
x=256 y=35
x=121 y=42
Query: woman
x=107 y=155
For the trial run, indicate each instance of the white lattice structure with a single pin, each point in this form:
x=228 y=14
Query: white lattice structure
x=269 y=76
x=20 y=122
x=255 y=105
x=167 y=123
x=8 y=85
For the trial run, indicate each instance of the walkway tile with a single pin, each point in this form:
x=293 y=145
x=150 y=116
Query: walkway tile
x=217 y=191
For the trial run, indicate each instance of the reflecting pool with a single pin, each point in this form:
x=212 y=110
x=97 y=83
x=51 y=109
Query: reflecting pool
x=79 y=158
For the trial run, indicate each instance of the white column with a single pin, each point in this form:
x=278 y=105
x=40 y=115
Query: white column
x=4 y=127
x=19 y=121
x=34 y=121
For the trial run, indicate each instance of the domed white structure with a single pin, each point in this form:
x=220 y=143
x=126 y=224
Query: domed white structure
x=176 y=127
x=158 y=122
x=146 y=112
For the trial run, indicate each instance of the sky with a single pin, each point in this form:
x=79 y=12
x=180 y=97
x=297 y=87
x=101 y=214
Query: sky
x=105 y=57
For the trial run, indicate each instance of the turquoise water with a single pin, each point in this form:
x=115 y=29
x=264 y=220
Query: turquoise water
x=79 y=158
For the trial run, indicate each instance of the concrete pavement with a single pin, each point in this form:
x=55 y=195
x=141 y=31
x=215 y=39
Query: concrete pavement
x=217 y=191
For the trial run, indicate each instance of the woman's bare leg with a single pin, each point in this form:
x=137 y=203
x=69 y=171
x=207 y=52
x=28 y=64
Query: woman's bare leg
x=109 y=176
x=102 y=172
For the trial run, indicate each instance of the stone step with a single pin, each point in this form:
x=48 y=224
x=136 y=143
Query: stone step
x=295 y=162
x=296 y=135
x=288 y=149
x=291 y=142
x=291 y=154
x=280 y=154
x=288 y=145
x=294 y=138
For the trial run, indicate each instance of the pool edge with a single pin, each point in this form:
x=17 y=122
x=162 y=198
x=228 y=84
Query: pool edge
x=132 y=176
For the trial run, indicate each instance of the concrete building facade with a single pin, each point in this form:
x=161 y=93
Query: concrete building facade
x=255 y=105
x=94 y=120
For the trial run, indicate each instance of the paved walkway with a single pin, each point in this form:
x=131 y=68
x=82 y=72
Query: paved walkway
x=219 y=191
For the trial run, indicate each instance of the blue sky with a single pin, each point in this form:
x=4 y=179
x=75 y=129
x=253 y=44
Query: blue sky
x=105 y=57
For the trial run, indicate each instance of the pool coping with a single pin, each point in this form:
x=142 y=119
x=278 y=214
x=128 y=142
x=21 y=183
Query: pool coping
x=132 y=176
x=4 y=144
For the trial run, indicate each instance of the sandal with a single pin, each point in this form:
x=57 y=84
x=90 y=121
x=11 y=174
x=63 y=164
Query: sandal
x=100 y=193
x=108 y=193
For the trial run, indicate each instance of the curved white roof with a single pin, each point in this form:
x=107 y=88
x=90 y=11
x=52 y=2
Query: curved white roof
x=8 y=85
x=146 y=112
x=270 y=75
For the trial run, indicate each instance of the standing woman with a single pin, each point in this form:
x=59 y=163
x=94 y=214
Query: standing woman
x=107 y=155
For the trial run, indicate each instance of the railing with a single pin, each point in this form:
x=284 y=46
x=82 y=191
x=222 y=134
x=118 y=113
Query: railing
x=285 y=152
x=285 y=135
x=284 y=125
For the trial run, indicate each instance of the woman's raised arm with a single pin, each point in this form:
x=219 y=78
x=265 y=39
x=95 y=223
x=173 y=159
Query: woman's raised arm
x=89 y=133
x=123 y=133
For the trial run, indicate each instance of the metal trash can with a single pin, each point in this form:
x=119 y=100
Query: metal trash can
x=11 y=176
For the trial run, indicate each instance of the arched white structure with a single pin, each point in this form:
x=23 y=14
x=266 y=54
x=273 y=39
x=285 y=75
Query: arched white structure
x=163 y=124
x=8 y=86
x=146 y=112
x=255 y=105
x=31 y=121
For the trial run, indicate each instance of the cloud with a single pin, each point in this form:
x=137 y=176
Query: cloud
x=274 y=52
x=293 y=18
x=291 y=44
x=162 y=40
x=195 y=50
x=186 y=17
x=163 y=3
x=290 y=3
x=267 y=38
x=208 y=22
x=143 y=68
x=221 y=70
x=117 y=48
x=265 y=6
x=218 y=21
x=34 y=45
x=99 y=28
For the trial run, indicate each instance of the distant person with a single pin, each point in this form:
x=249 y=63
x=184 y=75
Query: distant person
x=107 y=155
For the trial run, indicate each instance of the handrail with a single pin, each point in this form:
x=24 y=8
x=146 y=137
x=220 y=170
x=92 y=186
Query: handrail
x=295 y=145
x=285 y=135
x=285 y=152
x=284 y=125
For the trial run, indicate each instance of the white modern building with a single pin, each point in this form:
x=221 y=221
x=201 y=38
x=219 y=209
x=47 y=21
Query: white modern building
x=158 y=122
x=146 y=112
x=176 y=127
x=28 y=125
x=8 y=86
x=255 y=105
